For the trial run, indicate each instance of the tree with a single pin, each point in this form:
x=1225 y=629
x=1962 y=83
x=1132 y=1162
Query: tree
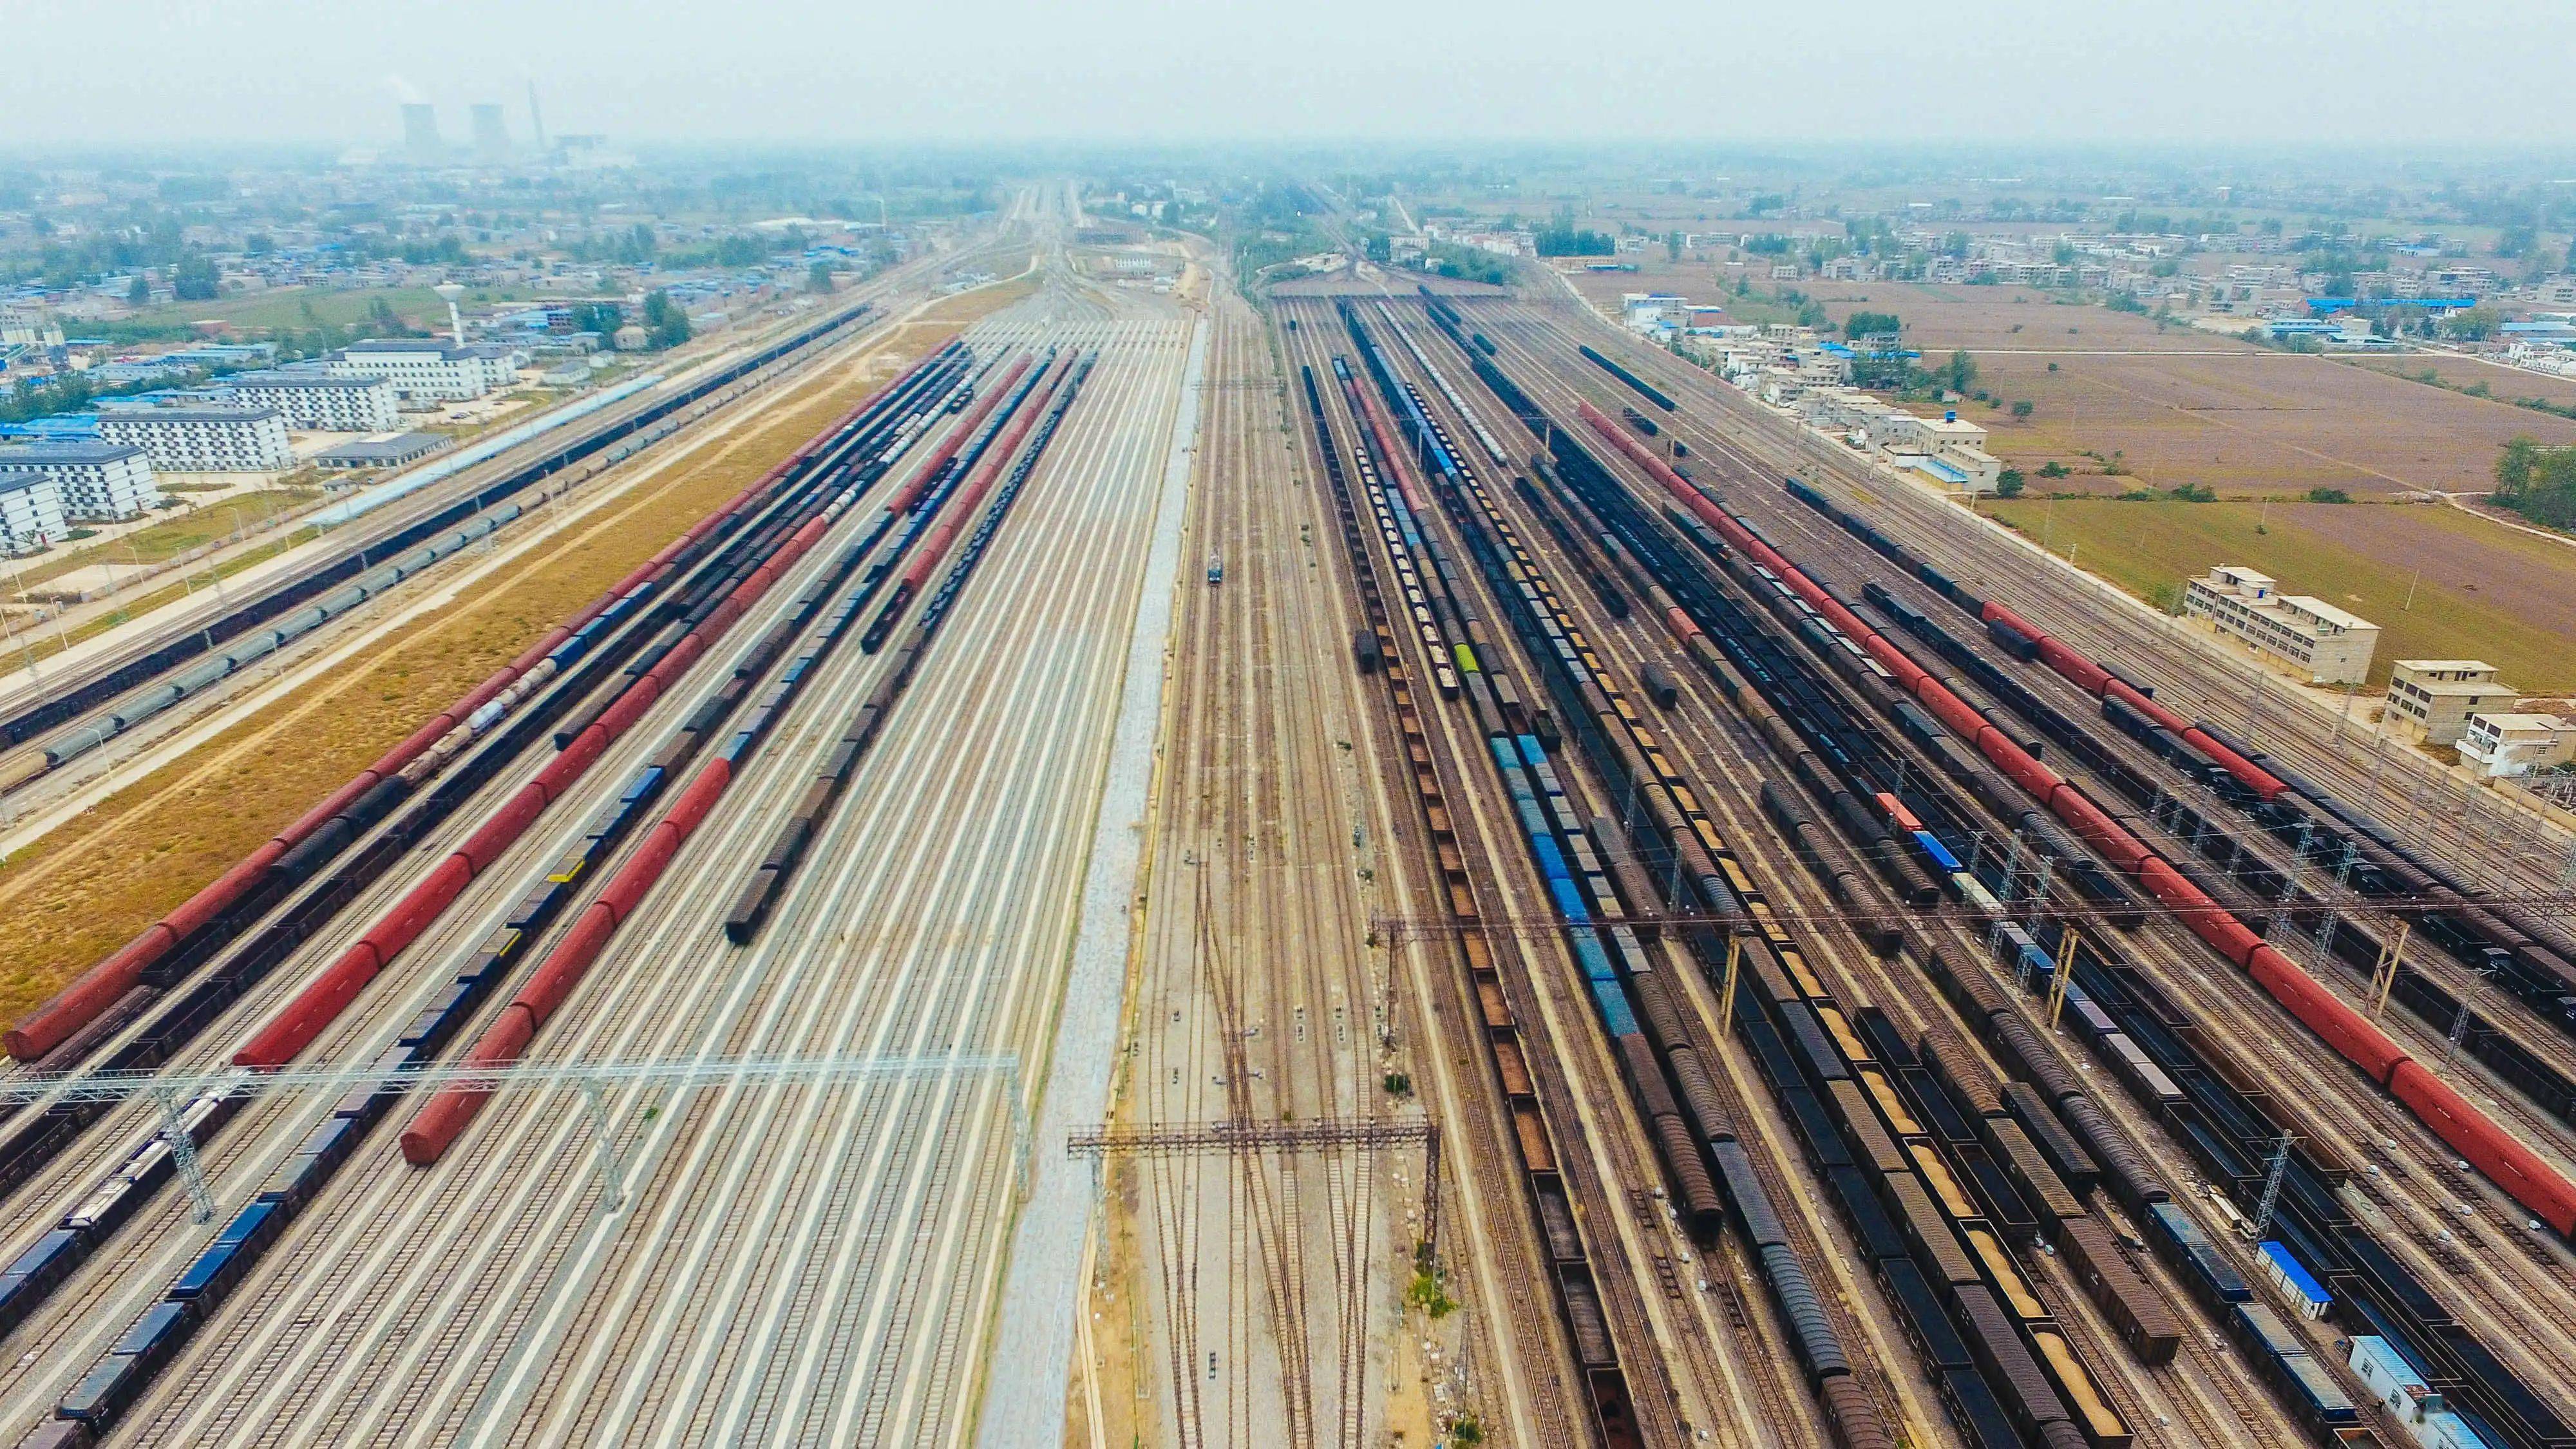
x=2008 y=483
x=141 y=291
x=2476 y=324
x=2022 y=409
x=818 y=279
x=1962 y=372
x=664 y=323
x=2516 y=463
x=1871 y=324
x=1672 y=246
x=194 y=279
x=1565 y=240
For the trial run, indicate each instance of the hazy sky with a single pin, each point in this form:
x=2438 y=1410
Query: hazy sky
x=2488 y=72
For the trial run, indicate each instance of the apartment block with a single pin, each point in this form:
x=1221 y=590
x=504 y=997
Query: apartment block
x=319 y=402
x=426 y=371
x=2314 y=638
x=96 y=480
x=31 y=511
x=204 y=440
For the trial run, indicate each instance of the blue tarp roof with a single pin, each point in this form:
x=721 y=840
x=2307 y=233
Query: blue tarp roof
x=2295 y=1272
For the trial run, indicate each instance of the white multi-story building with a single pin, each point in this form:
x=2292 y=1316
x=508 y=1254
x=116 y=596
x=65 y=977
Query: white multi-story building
x=2435 y=698
x=2501 y=745
x=96 y=480
x=25 y=324
x=1945 y=447
x=31 y=511
x=319 y=402
x=428 y=371
x=2314 y=637
x=204 y=440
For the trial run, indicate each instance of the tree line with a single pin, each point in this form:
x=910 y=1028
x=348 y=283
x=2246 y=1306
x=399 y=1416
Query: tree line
x=2537 y=482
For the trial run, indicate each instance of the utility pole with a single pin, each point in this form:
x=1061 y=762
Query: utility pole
x=2460 y=1018
x=2065 y=972
x=1726 y=996
x=2278 y=1169
x=2383 y=975
x=183 y=1156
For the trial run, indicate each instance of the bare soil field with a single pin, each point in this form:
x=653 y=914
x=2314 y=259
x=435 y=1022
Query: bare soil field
x=2485 y=591
x=91 y=885
x=2506 y=383
x=1697 y=281
x=2179 y=406
x=1938 y=319
x=2248 y=425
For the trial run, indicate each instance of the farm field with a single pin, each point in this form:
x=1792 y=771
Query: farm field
x=2485 y=592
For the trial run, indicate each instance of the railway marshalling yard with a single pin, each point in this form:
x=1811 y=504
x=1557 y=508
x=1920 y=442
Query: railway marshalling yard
x=1151 y=867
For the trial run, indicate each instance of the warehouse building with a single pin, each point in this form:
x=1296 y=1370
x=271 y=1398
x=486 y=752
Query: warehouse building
x=31 y=511
x=2433 y=698
x=2313 y=637
x=204 y=440
x=96 y=480
x=318 y=402
x=425 y=371
x=382 y=453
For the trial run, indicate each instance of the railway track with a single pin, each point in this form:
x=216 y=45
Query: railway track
x=1494 y=1004
x=407 y=1317
x=724 y=1136
x=1720 y=1372
x=2517 y=849
x=2327 y=1075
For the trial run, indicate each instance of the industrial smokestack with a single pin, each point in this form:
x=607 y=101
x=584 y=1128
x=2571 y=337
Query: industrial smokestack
x=491 y=135
x=536 y=122
x=420 y=134
x=450 y=292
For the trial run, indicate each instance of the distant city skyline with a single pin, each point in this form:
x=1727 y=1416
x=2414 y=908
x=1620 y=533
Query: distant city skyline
x=2190 y=71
